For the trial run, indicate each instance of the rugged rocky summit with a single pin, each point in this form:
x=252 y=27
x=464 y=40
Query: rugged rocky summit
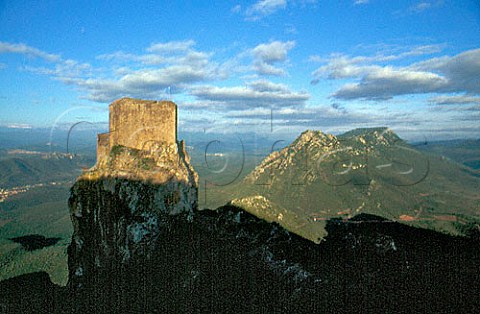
x=322 y=176
x=317 y=147
x=157 y=163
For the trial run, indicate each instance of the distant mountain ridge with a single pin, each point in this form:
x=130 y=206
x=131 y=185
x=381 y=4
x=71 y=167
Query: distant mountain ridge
x=321 y=176
x=465 y=151
x=20 y=170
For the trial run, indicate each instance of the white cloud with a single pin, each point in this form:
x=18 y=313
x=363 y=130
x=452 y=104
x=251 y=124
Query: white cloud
x=265 y=7
x=159 y=53
x=290 y=121
x=339 y=66
x=361 y=1
x=387 y=82
x=420 y=7
x=195 y=105
x=120 y=56
x=457 y=74
x=236 y=9
x=424 y=5
x=268 y=69
x=256 y=94
x=461 y=70
x=27 y=50
x=274 y=51
x=287 y=121
x=455 y=100
x=171 y=46
x=171 y=64
x=18 y=126
x=294 y=120
x=267 y=86
x=267 y=55
x=64 y=69
x=143 y=83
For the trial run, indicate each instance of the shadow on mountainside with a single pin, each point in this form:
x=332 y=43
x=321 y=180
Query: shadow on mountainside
x=229 y=261
x=33 y=242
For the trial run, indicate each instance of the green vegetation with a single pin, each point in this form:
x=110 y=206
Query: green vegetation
x=146 y=163
x=39 y=211
x=34 y=169
x=319 y=177
x=117 y=150
x=466 y=152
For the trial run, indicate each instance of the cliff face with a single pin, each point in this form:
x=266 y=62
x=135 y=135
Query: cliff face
x=229 y=261
x=118 y=207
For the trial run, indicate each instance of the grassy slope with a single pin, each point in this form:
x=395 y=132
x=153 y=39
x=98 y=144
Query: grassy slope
x=21 y=170
x=39 y=211
x=466 y=152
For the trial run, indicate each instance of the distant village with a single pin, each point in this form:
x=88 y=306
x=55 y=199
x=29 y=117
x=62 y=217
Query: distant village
x=44 y=155
x=6 y=193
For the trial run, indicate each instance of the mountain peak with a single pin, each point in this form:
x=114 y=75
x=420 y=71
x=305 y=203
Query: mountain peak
x=313 y=137
x=367 y=170
x=318 y=146
x=377 y=135
x=310 y=142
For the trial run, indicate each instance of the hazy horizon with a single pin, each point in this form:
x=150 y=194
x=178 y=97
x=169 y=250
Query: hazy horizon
x=266 y=66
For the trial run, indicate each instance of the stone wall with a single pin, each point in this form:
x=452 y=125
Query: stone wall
x=136 y=123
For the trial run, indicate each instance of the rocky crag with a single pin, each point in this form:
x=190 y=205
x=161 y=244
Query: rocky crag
x=118 y=207
x=371 y=170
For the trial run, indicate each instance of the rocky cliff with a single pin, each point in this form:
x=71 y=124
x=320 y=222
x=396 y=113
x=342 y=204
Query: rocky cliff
x=229 y=261
x=118 y=207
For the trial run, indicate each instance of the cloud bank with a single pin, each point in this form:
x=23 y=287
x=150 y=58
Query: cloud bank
x=375 y=81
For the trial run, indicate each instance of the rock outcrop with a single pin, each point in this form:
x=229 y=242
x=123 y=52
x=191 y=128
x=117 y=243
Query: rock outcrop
x=118 y=207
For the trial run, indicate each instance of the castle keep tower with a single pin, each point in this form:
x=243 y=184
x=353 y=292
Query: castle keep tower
x=142 y=176
x=137 y=123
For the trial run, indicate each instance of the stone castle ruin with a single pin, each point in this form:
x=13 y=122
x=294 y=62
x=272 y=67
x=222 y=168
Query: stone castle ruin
x=142 y=144
x=142 y=175
x=142 y=147
x=138 y=124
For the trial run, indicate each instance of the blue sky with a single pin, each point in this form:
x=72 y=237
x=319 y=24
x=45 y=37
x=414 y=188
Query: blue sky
x=236 y=67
